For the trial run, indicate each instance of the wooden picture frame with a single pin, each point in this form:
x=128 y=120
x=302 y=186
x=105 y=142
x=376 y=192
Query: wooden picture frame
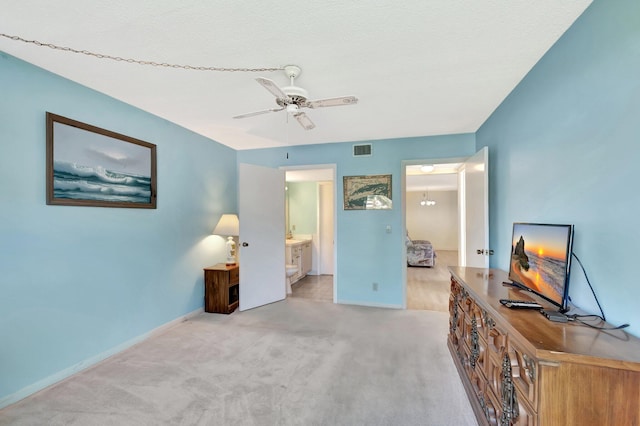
x=367 y=192
x=94 y=167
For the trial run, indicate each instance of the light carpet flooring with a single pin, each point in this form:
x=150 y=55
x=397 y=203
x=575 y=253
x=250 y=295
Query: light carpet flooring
x=294 y=362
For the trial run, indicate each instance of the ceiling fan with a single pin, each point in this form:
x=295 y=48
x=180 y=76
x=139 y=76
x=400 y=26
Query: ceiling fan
x=292 y=99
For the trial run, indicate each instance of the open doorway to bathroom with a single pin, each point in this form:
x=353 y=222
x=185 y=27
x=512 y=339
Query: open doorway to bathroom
x=431 y=217
x=309 y=217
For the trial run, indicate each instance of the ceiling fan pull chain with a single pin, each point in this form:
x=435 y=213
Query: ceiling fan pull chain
x=138 y=61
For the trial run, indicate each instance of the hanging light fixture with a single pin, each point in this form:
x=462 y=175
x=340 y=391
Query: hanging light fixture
x=426 y=201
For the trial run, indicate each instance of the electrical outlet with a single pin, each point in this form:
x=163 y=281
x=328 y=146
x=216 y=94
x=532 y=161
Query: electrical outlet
x=375 y=286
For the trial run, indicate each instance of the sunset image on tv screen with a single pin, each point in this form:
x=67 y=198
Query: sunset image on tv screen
x=539 y=258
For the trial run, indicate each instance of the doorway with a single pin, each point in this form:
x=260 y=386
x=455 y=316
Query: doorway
x=310 y=212
x=431 y=219
x=472 y=210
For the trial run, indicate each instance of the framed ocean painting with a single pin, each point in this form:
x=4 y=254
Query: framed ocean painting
x=90 y=166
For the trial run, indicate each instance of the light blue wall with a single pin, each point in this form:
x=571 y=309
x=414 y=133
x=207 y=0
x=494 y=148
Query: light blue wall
x=303 y=207
x=77 y=283
x=365 y=252
x=564 y=148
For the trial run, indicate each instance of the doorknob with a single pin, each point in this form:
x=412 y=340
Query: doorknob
x=245 y=244
x=488 y=252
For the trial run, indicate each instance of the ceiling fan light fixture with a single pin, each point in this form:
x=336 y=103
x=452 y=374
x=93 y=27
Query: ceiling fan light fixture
x=294 y=99
x=296 y=92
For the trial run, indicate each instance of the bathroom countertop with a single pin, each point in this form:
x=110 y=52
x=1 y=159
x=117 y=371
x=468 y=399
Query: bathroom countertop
x=292 y=242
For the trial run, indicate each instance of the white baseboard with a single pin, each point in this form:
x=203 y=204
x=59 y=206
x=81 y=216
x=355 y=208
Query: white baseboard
x=89 y=362
x=369 y=304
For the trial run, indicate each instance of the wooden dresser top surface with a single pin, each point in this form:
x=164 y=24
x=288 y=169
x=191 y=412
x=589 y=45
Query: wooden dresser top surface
x=549 y=340
x=221 y=267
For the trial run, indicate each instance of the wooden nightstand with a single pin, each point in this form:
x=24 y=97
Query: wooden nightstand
x=221 y=288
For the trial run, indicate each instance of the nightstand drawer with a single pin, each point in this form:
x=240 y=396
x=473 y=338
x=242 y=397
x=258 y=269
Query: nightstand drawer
x=234 y=276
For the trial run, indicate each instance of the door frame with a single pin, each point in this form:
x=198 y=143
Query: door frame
x=334 y=173
x=473 y=171
x=324 y=197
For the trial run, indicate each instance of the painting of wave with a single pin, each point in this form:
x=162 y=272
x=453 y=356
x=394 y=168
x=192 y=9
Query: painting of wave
x=93 y=167
x=78 y=182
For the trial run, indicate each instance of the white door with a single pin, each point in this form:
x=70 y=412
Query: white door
x=474 y=216
x=262 y=246
x=326 y=228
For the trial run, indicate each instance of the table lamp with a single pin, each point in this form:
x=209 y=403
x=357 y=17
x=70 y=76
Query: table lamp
x=230 y=226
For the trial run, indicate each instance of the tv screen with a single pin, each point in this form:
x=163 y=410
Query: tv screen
x=541 y=260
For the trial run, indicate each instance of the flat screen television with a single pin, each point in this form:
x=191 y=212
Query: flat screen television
x=541 y=260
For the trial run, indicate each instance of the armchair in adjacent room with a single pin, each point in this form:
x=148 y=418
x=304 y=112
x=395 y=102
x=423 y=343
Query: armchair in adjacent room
x=420 y=253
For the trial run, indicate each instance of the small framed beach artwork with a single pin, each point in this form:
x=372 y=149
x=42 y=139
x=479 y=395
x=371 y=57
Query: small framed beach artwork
x=367 y=192
x=90 y=166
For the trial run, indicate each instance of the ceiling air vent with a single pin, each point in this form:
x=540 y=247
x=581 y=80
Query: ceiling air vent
x=362 y=150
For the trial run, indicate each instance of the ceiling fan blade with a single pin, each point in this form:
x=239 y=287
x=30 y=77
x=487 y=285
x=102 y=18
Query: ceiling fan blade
x=342 y=100
x=251 y=114
x=304 y=121
x=272 y=87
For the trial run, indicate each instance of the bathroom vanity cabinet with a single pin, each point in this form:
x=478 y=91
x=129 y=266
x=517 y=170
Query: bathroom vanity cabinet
x=299 y=253
x=221 y=288
x=306 y=257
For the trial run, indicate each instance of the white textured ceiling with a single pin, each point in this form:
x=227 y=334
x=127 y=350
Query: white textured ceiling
x=443 y=177
x=418 y=67
x=309 y=175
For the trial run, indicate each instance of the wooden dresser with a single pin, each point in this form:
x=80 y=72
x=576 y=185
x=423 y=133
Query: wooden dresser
x=518 y=368
x=221 y=288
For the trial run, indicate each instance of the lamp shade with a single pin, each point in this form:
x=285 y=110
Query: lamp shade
x=227 y=225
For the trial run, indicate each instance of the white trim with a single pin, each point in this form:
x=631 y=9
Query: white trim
x=92 y=361
x=403 y=207
x=462 y=217
x=369 y=304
